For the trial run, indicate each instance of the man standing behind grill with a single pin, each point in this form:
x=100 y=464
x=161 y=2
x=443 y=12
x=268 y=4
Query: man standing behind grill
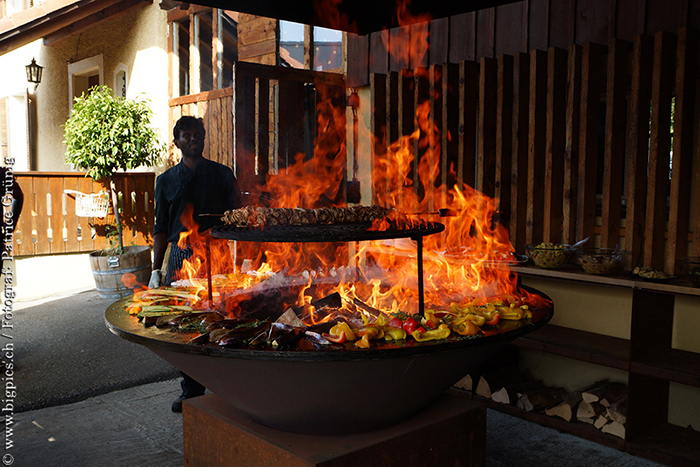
x=206 y=186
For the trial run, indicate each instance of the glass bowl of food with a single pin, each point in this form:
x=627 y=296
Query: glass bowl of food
x=602 y=260
x=691 y=269
x=549 y=255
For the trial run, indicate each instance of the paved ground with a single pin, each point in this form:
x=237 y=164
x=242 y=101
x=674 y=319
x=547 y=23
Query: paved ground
x=87 y=398
x=64 y=353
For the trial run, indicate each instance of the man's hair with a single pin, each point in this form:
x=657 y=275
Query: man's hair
x=188 y=123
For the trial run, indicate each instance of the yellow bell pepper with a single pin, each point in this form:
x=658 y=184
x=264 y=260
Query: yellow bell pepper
x=442 y=332
x=367 y=334
x=343 y=327
x=394 y=334
x=466 y=328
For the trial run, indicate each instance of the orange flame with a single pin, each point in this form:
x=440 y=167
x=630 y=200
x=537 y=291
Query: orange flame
x=466 y=264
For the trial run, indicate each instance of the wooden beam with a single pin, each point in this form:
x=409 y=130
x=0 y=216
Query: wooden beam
x=33 y=25
x=555 y=141
x=89 y=22
x=614 y=162
x=536 y=146
x=683 y=124
x=659 y=149
x=637 y=146
x=518 y=177
x=571 y=146
x=588 y=140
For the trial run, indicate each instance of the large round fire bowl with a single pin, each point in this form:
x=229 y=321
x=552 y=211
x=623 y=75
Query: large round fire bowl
x=323 y=392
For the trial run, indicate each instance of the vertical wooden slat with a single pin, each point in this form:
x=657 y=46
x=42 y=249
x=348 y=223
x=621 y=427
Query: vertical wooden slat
x=421 y=95
x=536 y=145
x=357 y=60
x=99 y=241
x=55 y=188
x=486 y=139
x=694 y=248
x=518 y=190
x=659 y=149
x=398 y=48
x=41 y=188
x=377 y=127
x=468 y=101
x=126 y=186
x=291 y=121
x=143 y=230
x=555 y=144
x=629 y=20
x=588 y=141
x=485 y=32
x=227 y=111
x=83 y=231
x=450 y=125
x=378 y=52
x=391 y=107
x=594 y=21
x=69 y=220
x=216 y=49
x=390 y=116
x=511 y=28
x=437 y=198
x=539 y=24
x=562 y=28
x=262 y=144
x=571 y=146
x=439 y=41
x=406 y=110
x=462 y=37
x=244 y=112
x=614 y=145
x=213 y=133
x=418 y=40
x=683 y=124
x=638 y=146
x=668 y=15
x=504 y=137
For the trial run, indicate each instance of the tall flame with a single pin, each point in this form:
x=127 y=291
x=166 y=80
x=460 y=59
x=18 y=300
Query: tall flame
x=465 y=263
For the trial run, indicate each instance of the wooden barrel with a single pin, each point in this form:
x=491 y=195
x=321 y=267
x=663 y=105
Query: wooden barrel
x=108 y=270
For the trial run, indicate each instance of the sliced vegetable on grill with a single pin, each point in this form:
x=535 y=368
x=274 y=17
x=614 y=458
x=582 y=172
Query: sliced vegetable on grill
x=442 y=332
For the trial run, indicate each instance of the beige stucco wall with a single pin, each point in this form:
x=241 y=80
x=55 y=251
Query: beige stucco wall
x=137 y=41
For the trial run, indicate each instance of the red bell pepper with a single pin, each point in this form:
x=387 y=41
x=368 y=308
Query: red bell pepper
x=410 y=325
x=494 y=320
x=395 y=323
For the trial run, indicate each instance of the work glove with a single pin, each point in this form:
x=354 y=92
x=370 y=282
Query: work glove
x=154 y=283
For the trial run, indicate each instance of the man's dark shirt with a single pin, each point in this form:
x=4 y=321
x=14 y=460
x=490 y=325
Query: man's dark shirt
x=210 y=188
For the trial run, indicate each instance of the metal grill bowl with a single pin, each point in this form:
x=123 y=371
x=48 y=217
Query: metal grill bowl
x=324 y=392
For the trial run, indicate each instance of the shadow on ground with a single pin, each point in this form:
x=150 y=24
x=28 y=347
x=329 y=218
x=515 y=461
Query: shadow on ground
x=64 y=353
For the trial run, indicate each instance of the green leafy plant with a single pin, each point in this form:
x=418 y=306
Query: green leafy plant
x=107 y=133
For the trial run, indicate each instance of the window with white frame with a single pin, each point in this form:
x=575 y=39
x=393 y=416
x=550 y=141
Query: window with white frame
x=83 y=75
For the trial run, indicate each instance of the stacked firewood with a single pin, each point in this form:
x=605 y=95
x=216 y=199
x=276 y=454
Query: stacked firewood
x=602 y=404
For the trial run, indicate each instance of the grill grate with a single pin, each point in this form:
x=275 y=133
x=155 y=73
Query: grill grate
x=322 y=233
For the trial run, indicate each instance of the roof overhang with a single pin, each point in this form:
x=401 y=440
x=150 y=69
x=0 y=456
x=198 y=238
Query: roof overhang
x=60 y=17
x=358 y=16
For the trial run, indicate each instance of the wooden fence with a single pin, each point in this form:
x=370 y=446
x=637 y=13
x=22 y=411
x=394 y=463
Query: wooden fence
x=594 y=141
x=49 y=224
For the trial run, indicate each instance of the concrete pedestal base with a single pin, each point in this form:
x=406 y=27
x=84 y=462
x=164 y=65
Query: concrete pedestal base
x=450 y=432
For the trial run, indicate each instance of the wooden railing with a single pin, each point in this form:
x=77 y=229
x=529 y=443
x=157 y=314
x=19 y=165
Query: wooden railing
x=573 y=143
x=49 y=224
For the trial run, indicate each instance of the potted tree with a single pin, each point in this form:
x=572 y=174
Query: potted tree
x=105 y=134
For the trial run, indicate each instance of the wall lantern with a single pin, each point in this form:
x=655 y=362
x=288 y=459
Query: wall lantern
x=34 y=73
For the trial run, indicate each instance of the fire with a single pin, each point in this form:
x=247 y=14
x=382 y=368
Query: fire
x=464 y=265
